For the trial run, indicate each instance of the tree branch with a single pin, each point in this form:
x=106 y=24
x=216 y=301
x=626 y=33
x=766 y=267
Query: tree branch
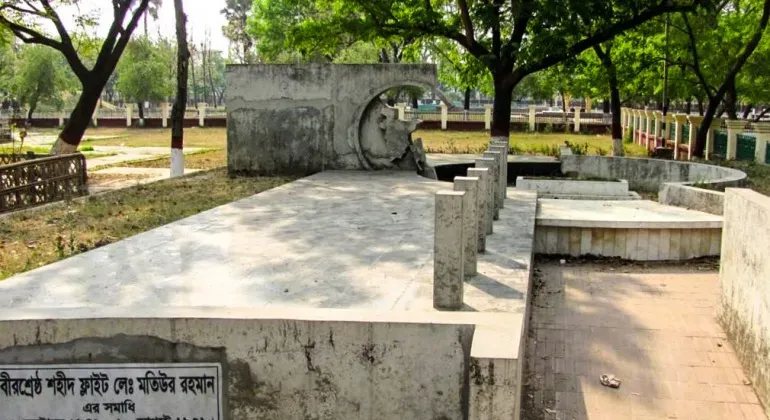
x=696 y=59
x=603 y=36
x=466 y=19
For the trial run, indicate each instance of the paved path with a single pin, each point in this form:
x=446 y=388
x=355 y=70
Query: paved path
x=654 y=328
x=128 y=154
x=333 y=240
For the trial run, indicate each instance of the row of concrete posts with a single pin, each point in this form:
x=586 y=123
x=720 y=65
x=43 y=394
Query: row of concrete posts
x=165 y=109
x=464 y=217
x=648 y=130
x=488 y=116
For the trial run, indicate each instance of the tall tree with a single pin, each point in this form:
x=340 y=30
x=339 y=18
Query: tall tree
x=24 y=17
x=717 y=45
x=511 y=38
x=237 y=13
x=180 y=104
x=142 y=74
x=39 y=78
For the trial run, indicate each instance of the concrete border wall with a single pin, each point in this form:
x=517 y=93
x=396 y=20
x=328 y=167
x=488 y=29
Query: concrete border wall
x=650 y=174
x=744 y=309
x=682 y=195
x=279 y=364
x=678 y=183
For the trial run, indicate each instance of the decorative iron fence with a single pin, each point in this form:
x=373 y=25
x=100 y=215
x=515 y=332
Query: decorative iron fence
x=33 y=182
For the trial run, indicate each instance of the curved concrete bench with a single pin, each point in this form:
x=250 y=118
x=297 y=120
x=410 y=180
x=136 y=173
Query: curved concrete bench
x=692 y=185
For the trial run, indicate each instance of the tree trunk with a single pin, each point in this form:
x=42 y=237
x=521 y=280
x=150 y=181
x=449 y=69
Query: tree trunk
x=700 y=140
x=700 y=106
x=501 y=113
x=180 y=104
x=32 y=107
x=606 y=106
x=80 y=119
x=688 y=106
x=731 y=100
x=140 y=107
x=467 y=100
x=617 y=129
x=747 y=111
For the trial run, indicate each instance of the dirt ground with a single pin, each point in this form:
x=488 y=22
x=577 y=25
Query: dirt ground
x=652 y=326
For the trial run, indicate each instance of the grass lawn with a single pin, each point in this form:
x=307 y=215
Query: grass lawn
x=759 y=175
x=86 y=150
x=38 y=237
x=211 y=138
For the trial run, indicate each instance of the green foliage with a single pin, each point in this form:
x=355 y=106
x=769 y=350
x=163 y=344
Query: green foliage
x=39 y=77
x=142 y=74
x=578 y=148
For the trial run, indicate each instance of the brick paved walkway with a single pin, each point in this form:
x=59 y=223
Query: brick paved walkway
x=653 y=328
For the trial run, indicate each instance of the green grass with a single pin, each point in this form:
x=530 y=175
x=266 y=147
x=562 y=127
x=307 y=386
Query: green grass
x=437 y=141
x=86 y=150
x=35 y=238
x=210 y=138
x=759 y=175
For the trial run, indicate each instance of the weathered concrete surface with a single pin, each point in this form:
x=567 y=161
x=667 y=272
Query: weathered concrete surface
x=278 y=364
x=633 y=230
x=744 y=307
x=573 y=187
x=353 y=240
x=303 y=119
x=650 y=174
x=449 y=250
x=680 y=195
x=334 y=240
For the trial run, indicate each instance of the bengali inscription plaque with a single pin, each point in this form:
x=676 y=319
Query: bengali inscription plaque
x=171 y=391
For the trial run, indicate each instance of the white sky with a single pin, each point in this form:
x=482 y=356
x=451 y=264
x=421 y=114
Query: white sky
x=202 y=15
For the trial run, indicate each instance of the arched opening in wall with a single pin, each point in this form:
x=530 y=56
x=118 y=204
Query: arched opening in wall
x=384 y=137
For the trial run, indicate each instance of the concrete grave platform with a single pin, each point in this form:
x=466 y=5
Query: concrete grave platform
x=635 y=230
x=348 y=240
x=321 y=289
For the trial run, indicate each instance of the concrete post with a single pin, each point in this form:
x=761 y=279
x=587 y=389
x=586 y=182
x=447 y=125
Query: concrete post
x=734 y=127
x=658 y=125
x=164 y=113
x=401 y=111
x=129 y=114
x=497 y=152
x=694 y=121
x=483 y=215
x=532 y=124
x=503 y=145
x=491 y=163
x=202 y=114
x=577 y=119
x=488 y=117
x=647 y=127
x=470 y=221
x=763 y=135
x=679 y=121
x=95 y=116
x=448 y=251
x=445 y=116
x=61 y=119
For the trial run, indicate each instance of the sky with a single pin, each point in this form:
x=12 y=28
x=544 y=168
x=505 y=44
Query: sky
x=202 y=15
